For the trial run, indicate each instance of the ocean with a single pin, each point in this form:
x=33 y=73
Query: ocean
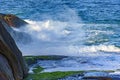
x=89 y=30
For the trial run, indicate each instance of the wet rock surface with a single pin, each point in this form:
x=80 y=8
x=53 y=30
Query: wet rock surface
x=12 y=64
x=12 y=20
x=12 y=23
x=5 y=69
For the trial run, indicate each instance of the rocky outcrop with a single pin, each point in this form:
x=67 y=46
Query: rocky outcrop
x=11 y=21
x=12 y=64
x=5 y=69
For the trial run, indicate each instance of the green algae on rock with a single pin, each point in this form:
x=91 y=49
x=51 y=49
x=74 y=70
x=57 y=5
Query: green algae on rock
x=33 y=59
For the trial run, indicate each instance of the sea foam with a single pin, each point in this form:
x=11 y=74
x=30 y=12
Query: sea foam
x=63 y=38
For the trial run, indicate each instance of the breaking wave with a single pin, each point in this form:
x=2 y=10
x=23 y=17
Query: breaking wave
x=65 y=38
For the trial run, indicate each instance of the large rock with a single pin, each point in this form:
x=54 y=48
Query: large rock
x=12 y=64
x=11 y=21
x=5 y=69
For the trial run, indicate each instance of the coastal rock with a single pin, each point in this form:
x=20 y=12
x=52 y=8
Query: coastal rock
x=14 y=64
x=5 y=69
x=12 y=20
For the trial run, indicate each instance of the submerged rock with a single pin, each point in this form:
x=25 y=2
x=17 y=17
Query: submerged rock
x=12 y=64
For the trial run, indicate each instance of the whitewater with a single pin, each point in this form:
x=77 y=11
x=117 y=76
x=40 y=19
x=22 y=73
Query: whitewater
x=70 y=39
x=64 y=38
x=88 y=31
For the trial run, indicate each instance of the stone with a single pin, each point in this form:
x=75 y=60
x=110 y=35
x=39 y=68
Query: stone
x=12 y=20
x=5 y=69
x=11 y=56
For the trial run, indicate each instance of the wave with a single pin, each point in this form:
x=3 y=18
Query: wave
x=50 y=30
x=64 y=38
x=98 y=48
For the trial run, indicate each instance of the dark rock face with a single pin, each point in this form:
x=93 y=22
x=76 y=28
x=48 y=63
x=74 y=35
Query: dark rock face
x=13 y=20
x=12 y=64
x=5 y=70
x=10 y=21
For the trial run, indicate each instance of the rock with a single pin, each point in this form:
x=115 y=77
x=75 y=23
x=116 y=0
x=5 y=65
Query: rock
x=13 y=20
x=15 y=65
x=5 y=69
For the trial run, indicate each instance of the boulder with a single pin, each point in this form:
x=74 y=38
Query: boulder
x=12 y=64
x=12 y=20
x=5 y=69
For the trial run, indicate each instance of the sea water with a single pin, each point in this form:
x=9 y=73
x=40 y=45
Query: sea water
x=87 y=29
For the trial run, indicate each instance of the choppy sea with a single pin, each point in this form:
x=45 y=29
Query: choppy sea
x=87 y=29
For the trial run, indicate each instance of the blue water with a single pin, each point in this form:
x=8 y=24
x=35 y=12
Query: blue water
x=88 y=29
x=98 y=11
x=89 y=22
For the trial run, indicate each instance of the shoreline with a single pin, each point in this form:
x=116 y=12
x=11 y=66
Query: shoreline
x=37 y=72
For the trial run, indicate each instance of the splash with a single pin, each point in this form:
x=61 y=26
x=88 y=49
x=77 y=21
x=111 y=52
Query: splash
x=64 y=38
x=49 y=34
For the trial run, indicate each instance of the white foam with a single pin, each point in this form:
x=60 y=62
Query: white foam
x=50 y=29
x=101 y=62
x=104 y=48
x=62 y=38
x=67 y=38
x=115 y=73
